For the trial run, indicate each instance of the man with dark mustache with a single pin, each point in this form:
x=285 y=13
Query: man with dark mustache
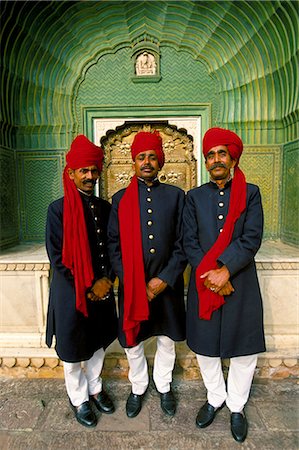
x=145 y=247
x=223 y=226
x=81 y=312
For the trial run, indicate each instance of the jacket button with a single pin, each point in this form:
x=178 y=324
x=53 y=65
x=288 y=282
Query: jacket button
x=220 y=217
x=152 y=250
x=150 y=223
x=148 y=189
x=151 y=236
x=149 y=211
x=221 y=193
x=221 y=204
x=221 y=229
x=148 y=199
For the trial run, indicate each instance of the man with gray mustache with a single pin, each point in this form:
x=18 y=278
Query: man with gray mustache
x=223 y=226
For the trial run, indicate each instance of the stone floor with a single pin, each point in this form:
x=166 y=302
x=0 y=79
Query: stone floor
x=34 y=415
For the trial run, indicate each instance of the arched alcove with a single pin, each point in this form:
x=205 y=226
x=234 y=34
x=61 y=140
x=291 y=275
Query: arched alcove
x=241 y=57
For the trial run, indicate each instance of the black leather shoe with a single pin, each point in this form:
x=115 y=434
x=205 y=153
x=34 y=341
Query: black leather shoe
x=238 y=426
x=168 y=403
x=84 y=414
x=134 y=404
x=103 y=402
x=206 y=415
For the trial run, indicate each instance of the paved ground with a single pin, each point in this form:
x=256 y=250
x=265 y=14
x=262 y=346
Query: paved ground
x=34 y=415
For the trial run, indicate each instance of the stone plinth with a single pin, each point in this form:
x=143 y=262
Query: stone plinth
x=24 y=277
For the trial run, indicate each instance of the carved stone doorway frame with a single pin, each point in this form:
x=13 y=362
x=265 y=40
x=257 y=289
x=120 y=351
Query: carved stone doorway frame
x=180 y=168
x=195 y=119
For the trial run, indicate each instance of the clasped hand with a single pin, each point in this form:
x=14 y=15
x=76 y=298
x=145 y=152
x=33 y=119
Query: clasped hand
x=100 y=289
x=154 y=287
x=217 y=280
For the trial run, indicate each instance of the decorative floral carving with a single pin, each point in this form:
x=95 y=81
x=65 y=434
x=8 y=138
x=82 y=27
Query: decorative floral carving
x=180 y=164
x=123 y=178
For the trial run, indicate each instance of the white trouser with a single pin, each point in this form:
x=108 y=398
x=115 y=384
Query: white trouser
x=81 y=382
x=239 y=379
x=163 y=366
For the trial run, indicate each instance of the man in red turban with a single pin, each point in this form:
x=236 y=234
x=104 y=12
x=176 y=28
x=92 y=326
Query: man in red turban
x=81 y=312
x=145 y=247
x=223 y=226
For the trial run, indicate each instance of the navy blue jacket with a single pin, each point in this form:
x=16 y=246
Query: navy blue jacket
x=78 y=337
x=235 y=329
x=161 y=208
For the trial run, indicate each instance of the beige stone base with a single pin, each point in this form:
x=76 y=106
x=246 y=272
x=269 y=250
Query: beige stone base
x=24 y=272
x=116 y=367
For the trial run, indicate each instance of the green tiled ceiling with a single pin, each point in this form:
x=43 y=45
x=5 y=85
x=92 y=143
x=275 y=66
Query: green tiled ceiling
x=249 y=48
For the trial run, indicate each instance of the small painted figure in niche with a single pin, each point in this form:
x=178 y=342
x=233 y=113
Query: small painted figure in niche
x=146 y=64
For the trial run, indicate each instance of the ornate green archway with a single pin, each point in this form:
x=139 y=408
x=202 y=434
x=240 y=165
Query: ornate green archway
x=58 y=57
x=250 y=48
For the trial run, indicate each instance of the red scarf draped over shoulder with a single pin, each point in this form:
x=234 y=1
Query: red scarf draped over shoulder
x=76 y=254
x=136 y=308
x=210 y=301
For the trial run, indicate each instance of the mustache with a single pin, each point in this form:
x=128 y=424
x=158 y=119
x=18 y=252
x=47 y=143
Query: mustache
x=147 y=166
x=218 y=164
x=89 y=181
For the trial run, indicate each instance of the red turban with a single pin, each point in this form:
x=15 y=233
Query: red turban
x=84 y=153
x=220 y=136
x=210 y=301
x=144 y=140
x=76 y=251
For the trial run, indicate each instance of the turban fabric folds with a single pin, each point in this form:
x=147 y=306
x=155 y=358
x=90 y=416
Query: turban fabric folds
x=136 y=308
x=221 y=136
x=144 y=141
x=76 y=254
x=84 y=153
x=210 y=301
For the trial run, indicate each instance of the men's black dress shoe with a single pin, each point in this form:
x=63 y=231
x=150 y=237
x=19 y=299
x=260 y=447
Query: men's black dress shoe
x=84 y=414
x=168 y=403
x=103 y=402
x=134 y=404
x=206 y=415
x=238 y=426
